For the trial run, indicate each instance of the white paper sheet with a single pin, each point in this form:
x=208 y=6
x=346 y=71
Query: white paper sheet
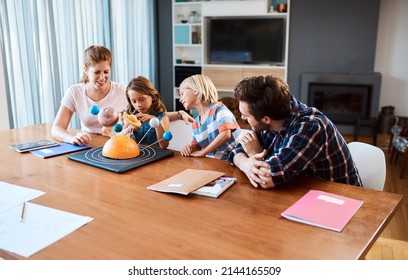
x=40 y=227
x=13 y=195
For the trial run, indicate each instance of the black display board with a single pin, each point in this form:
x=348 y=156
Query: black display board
x=95 y=158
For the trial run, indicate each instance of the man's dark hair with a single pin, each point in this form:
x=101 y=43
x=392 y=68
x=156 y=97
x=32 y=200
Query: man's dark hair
x=265 y=96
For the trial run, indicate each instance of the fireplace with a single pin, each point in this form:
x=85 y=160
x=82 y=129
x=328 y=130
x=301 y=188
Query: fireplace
x=341 y=103
x=344 y=98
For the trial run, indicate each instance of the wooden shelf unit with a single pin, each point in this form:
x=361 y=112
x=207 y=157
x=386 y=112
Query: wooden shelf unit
x=189 y=41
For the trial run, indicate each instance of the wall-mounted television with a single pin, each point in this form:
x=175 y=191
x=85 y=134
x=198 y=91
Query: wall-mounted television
x=233 y=40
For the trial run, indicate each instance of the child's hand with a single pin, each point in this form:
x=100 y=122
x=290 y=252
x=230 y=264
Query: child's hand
x=198 y=153
x=184 y=116
x=127 y=130
x=144 y=117
x=189 y=151
x=186 y=151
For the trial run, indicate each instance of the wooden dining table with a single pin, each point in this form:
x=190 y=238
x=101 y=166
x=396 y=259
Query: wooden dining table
x=133 y=223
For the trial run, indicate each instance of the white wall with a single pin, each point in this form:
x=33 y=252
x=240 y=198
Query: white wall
x=4 y=117
x=391 y=55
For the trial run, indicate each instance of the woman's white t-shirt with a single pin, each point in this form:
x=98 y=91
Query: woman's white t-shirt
x=76 y=100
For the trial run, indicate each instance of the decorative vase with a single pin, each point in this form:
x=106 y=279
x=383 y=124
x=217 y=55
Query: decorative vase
x=386 y=119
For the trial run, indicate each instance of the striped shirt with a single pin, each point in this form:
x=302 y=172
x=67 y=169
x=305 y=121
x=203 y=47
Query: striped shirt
x=308 y=144
x=219 y=118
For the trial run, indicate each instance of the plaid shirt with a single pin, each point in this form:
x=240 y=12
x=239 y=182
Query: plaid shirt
x=308 y=144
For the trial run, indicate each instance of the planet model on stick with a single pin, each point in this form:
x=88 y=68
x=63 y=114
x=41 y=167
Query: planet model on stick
x=118 y=146
x=154 y=122
x=167 y=136
x=118 y=127
x=108 y=117
x=131 y=120
x=121 y=146
x=94 y=110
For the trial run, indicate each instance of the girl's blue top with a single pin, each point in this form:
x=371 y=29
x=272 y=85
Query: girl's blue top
x=151 y=137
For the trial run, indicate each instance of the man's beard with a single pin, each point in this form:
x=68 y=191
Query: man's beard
x=260 y=126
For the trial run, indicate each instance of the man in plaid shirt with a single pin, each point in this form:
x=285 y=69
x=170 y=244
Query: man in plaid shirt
x=287 y=138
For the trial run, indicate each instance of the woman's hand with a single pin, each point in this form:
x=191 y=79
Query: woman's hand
x=81 y=139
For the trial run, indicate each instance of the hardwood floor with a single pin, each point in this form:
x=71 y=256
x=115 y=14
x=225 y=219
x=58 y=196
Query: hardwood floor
x=398 y=226
x=393 y=243
x=388 y=249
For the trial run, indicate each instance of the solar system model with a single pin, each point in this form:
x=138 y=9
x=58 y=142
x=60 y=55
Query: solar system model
x=122 y=146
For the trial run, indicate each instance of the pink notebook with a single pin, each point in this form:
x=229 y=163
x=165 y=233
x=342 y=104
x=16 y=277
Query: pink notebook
x=323 y=209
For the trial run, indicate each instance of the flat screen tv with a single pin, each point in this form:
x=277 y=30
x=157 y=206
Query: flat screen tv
x=246 y=40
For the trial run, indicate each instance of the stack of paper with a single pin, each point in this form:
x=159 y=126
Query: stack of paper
x=27 y=228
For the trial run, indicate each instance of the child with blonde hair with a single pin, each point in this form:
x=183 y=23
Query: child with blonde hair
x=215 y=129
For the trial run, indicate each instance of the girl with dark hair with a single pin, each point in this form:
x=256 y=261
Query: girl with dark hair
x=145 y=104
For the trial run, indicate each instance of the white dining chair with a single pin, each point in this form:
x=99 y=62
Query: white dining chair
x=182 y=134
x=370 y=162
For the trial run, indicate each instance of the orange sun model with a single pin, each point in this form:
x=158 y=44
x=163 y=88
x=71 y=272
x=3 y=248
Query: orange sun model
x=121 y=147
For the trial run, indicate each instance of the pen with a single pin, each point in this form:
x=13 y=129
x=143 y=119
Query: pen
x=22 y=212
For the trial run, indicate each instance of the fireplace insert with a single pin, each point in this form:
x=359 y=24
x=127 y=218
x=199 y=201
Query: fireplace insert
x=344 y=97
x=342 y=103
